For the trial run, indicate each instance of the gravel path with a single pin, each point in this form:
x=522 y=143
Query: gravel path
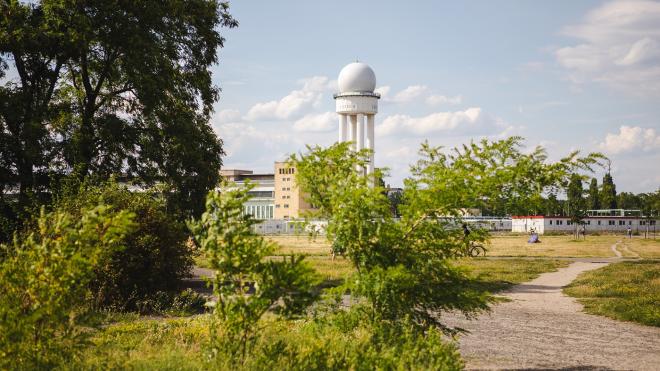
x=541 y=328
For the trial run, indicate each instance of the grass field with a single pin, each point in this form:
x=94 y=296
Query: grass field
x=143 y=343
x=513 y=245
x=134 y=342
x=627 y=291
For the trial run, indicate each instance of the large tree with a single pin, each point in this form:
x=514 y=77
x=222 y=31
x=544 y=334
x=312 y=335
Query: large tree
x=576 y=201
x=594 y=197
x=129 y=86
x=608 y=193
x=31 y=42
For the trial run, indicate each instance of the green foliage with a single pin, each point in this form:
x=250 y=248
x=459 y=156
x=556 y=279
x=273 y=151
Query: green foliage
x=403 y=267
x=608 y=193
x=124 y=87
x=497 y=176
x=344 y=341
x=246 y=283
x=593 y=202
x=627 y=291
x=575 y=199
x=156 y=257
x=185 y=303
x=44 y=279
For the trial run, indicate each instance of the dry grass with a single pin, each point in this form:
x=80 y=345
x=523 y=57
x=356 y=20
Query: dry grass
x=512 y=245
x=301 y=245
x=627 y=291
x=644 y=248
x=566 y=246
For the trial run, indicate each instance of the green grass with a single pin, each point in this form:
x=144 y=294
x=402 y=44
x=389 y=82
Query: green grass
x=147 y=343
x=500 y=274
x=628 y=291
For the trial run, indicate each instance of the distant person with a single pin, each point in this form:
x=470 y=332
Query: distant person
x=629 y=232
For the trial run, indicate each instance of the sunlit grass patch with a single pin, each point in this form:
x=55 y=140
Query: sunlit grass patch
x=627 y=291
x=500 y=274
x=149 y=344
x=644 y=247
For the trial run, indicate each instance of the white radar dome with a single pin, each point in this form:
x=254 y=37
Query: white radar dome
x=357 y=77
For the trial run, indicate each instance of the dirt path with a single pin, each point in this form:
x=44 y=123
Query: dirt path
x=615 y=250
x=541 y=328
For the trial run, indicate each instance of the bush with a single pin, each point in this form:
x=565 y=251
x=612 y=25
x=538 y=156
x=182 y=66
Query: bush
x=346 y=341
x=44 y=279
x=156 y=257
x=185 y=303
x=247 y=284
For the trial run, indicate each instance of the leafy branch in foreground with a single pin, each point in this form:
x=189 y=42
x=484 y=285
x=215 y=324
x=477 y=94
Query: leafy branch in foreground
x=44 y=279
x=247 y=283
x=405 y=269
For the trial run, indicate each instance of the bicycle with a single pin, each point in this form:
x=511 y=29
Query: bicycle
x=475 y=249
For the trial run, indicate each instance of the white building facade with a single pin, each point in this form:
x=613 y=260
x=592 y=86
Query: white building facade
x=545 y=224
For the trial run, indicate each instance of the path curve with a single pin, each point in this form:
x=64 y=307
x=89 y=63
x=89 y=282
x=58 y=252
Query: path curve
x=615 y=250
x=541 y=328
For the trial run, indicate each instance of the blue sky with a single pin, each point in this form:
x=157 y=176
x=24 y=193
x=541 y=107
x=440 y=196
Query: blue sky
x=564 y=74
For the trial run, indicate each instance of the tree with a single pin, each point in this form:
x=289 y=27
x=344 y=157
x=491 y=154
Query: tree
x=156 y=258
x=576 y=201
x=594 y=198
x=32 y=42
x=608 y=193
x=45 y=276
x=122 y=88
x=247 y=284
x=628 y=200
x=553 y=207
x=404 y=267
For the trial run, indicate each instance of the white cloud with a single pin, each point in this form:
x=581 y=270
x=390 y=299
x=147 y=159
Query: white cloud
x=383 y=91
x=436 y=99
x=470 y=121
x=322 y=122
x=228 y=115
x=620 y=47
x=410 y=93
x=631 y=138
x=293 y=104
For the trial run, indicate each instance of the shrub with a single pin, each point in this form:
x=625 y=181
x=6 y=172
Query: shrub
x=347 y=341
x=185 y=303
x=246 y=283
x=44 y=279
x=156 y=257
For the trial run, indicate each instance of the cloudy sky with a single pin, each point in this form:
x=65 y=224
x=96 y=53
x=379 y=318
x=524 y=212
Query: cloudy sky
x=563 y=74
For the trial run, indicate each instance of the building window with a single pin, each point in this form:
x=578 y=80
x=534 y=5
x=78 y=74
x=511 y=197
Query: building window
x=286 y=206
x=588 y=222
x=610 y=222
x=630 y=222
x=599 y=222
x=277 y=206
x=622 y=222
x=551 y=222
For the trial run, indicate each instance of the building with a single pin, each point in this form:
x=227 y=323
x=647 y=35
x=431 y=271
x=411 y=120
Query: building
x=596 y=221
x=289 y=201
x=357 y=106
x=274 y=196
x=262 y=197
